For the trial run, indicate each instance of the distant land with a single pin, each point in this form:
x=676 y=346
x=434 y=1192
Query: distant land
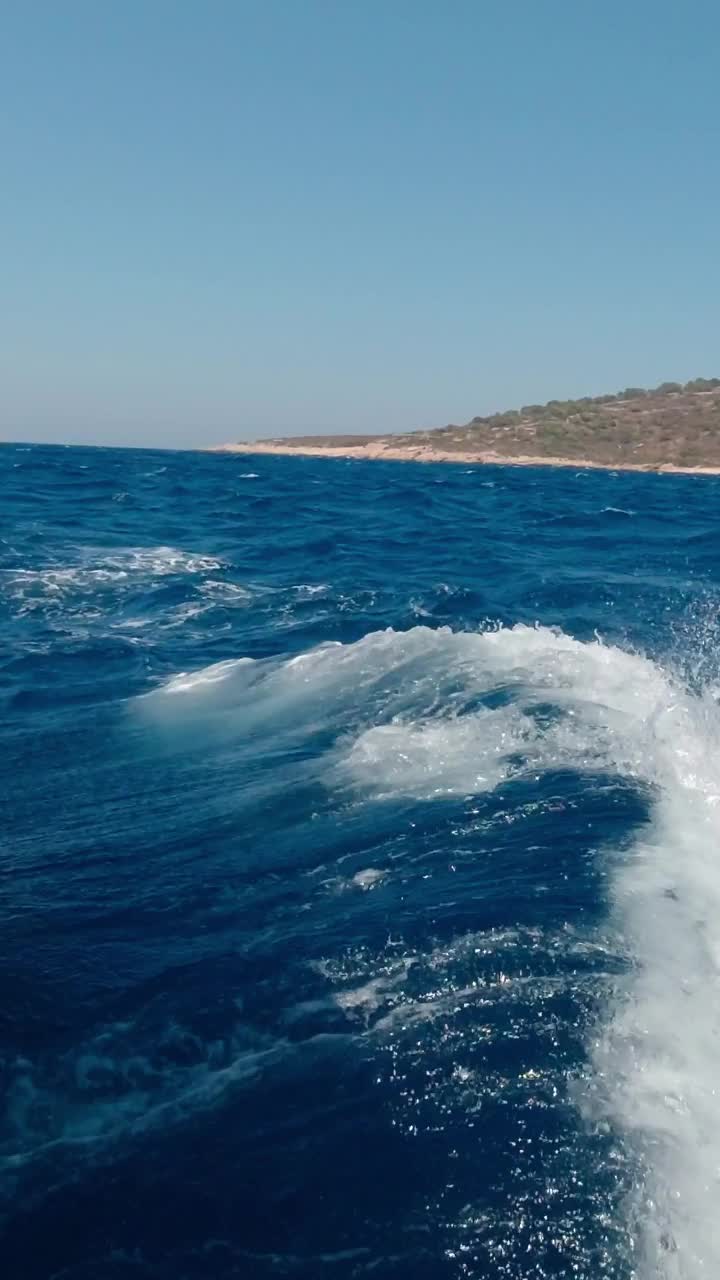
x=674 y=427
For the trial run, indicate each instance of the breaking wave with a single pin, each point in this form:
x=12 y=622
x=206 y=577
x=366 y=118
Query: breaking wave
x=430 y=714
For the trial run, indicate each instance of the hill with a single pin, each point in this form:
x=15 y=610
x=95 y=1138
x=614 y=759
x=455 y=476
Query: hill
x=672 y=426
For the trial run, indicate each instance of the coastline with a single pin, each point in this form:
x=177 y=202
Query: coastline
x=381 y=451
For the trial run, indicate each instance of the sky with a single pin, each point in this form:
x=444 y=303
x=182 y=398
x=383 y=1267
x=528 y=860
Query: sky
x=228 y=219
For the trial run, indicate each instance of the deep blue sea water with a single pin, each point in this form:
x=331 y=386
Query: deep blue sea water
x=360 y=908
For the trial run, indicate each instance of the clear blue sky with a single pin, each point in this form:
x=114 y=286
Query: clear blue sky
x=228 y=218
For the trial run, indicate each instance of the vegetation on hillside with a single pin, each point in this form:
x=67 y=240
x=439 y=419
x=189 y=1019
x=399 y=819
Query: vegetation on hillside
x=673 y=423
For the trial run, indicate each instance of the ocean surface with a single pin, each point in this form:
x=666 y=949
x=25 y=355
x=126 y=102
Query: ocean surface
x=360 y=855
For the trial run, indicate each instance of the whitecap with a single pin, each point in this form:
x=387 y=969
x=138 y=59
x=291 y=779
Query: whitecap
x=94 y=567
x=429 y=713
x=183 y=682
x=308 y=590
x=368 y=877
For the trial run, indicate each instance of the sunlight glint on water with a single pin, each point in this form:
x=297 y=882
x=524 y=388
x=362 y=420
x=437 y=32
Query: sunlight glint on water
x=361 y=871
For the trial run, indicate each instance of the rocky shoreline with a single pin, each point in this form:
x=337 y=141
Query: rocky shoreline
x=381 y=450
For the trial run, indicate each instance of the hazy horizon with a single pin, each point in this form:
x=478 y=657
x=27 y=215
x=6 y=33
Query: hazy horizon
x=252 y=219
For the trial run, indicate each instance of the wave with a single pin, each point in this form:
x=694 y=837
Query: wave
x=125 y=1082
x=94 y=567
x=427 y=714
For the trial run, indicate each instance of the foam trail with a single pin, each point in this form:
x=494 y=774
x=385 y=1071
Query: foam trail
x=427 y=713
x=657 y=1059
x=656 y=1056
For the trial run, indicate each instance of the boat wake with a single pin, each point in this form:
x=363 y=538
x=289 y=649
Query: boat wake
x=428 y=714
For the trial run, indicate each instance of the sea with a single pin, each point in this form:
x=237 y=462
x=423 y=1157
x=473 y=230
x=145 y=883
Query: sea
x=360 y=870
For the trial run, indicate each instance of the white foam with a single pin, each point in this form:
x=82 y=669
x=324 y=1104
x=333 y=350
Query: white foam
x=61 y=579
x=183 y=682
x=97 y=567
x=160 y=560
x=424 y=725
x=439 y=757
x=368 y=878
x=307 y=590
x=656 y=1059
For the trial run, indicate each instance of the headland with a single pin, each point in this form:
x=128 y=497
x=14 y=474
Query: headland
x=672 y=428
